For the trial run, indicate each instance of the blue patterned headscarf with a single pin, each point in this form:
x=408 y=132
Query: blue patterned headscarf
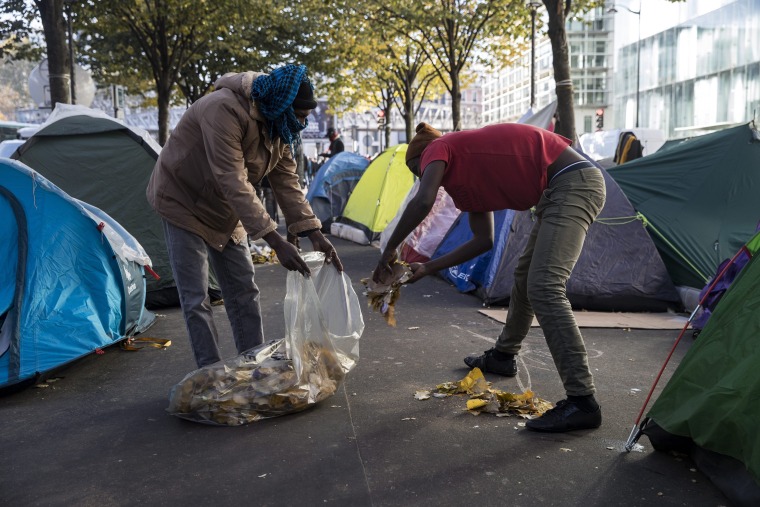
x=274 y=93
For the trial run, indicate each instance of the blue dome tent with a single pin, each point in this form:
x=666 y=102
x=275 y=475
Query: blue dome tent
x=71 y=278
x=333 y=184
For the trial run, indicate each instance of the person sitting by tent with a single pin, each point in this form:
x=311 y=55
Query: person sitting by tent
x=202 y=187
x=336 y=143
x=515 y=166
x=628 y=148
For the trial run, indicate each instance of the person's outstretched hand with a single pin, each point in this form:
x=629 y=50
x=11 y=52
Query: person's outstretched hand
x=287 y=253
x=384 y=272
x=321 y=244
x=419 y=270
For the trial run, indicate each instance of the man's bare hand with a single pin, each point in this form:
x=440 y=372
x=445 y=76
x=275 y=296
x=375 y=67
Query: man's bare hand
x=287 y=253
x=321 y=244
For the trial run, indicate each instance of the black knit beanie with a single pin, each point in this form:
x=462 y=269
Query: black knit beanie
x=305 y=97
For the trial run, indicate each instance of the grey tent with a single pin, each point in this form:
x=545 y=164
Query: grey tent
x=100 y=160
x=618 y=270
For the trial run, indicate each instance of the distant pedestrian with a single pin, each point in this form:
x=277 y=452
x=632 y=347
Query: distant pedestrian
x=515 y=166
x=203 y=188
x=336 y=143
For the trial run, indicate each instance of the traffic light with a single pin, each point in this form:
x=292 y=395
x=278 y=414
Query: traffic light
x=380 y=119
x=599 y=119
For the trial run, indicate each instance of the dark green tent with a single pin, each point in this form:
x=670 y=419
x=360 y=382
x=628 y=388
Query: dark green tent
x=711 y=402
x=103 y=162
x=699 y=198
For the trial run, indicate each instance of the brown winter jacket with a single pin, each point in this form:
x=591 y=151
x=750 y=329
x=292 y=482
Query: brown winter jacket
x=203 y=179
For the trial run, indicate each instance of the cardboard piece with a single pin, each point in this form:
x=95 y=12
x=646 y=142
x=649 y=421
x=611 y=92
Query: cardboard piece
x=615 y=320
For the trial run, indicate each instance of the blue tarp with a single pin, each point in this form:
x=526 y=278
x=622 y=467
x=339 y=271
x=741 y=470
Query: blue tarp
x=480 y=271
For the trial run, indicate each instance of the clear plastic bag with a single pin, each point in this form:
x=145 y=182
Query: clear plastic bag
x=323 y=322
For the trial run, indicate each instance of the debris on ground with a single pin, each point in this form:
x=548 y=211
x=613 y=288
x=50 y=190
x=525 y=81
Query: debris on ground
x=484 y=398
x=263 y=254
x=133 y=343
x=382 y=297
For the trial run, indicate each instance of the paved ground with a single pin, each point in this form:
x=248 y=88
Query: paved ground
x=100 y=435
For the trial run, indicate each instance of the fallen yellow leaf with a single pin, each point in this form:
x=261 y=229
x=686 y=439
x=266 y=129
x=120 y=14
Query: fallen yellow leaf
x=476 y=404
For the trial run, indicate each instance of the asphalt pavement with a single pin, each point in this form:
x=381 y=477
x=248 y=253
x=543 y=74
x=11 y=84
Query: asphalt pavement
x=98 y=434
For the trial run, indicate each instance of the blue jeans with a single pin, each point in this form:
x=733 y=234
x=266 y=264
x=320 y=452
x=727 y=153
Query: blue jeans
x=564 y=213
x=189 y=257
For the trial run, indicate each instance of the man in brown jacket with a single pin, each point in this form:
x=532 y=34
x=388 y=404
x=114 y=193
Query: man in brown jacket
x=203 y=188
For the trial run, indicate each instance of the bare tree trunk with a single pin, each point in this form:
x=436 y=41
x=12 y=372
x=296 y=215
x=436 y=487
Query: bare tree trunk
x=409 y=115
x=407 y=99
x=51 y=14
x=456 y=102
x=561 y=62
x=164 y=88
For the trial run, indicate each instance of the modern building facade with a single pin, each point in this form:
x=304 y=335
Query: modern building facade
x=701 y=73
x=684 y=68
x=591 y=46
x=506 y=95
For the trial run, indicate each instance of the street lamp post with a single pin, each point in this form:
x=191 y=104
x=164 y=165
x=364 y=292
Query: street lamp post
x=534 y=5
x=72 y=67
x=638 y=54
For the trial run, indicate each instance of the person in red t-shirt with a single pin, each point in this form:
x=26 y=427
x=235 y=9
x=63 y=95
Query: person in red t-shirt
x=515 y=166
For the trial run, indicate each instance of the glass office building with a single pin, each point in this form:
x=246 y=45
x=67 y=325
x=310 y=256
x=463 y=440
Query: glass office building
x=687 y=68
x=701 y=74
x=591 y=46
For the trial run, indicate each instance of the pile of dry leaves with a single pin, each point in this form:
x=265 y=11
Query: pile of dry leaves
x=382 y=297
x=484 y=398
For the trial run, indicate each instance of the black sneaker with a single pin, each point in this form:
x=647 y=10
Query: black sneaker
x=489 y=364
x=565 y=416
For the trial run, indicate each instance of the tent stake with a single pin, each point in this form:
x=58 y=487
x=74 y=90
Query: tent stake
x=632 y=438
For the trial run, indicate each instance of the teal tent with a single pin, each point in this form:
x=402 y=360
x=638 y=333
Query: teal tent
x=699 y=199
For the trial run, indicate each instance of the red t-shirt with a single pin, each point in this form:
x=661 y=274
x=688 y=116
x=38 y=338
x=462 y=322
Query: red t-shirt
x=496 y=167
